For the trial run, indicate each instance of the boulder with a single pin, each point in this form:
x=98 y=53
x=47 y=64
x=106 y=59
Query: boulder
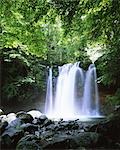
x=10 y=117
x=48 y=122
x=15 y=123
x=42 y=118
x=73 y=141
x=13 y=135
x=20 y=113
x=109 y=127
x=26 y=118
x=3 y=126
x=3 y=118
x=35 y=113
x=28 y=127
x=28 y=142
x=68 y=125
x=6 y=142
x=60 y=142
x=91 y=140
x=1 y=112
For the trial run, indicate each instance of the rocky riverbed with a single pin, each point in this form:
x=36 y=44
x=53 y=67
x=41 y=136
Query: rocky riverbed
x=34 y=131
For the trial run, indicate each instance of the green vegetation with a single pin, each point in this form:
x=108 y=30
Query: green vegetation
x=38 y=33
x=21 y=74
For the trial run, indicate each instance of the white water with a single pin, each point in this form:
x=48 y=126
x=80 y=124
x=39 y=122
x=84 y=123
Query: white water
x=49 y=95
x=76 y=93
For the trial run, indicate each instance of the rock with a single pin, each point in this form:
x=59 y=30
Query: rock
x=3 y=126
x=67 y=125
x=1 y=112
x=28 y=127
x=3 y=118
x=52 y=127
x=11 y=117
x=14 y=135
x=15 y=123
x=90 y=140
x=47 y=134
x=76 y=140
x=20 y=113
x=35 y=113
x=35 y=121
x=26 y=118
x=29 y=142
x=48 y=122
x=6 y=142
x=117 y=109
x=60 y=142
x=42 y=118
x=109 y=127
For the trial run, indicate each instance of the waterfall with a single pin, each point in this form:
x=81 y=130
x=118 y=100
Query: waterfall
x=76 y=93
x=90 y=104
x=49 y=94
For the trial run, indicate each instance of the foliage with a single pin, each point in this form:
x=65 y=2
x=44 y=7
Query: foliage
x=114 y=100
x=20 y=73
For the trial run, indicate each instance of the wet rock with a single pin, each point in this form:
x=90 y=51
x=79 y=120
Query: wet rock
x=3 y=118
x=52 y=127
x=18 y=114
x=1 y=112
x=42 y=118
x=15 y=123
x=68 y=125
x=60 y=142
x=47 y=134
x=35 y=113
x=26 y=118
x=48 y=122
x=28 y=127
x=10 y=117
x=29 y=142
x=3 y=126
x=14 y=134
x=73 y=140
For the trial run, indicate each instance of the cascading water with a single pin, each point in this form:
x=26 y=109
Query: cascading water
x=49 y=94
x=90 y=106
x=76 y=93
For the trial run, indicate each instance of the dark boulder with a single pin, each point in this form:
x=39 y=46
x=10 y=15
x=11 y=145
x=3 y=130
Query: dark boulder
x=6 y=142
x=109 y=127
x=3 y=126
x=48 y=122
x=28 y=142
x=20 y=113
x=60 y=142
x=28 y=127
x=69 y=125
x=91 y=140
x=42 y=118
x=77 y=140
x=13 y=135
x=26 y=118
